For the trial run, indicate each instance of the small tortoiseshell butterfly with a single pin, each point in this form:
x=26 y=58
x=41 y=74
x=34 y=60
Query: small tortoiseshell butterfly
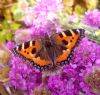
x=56 y=49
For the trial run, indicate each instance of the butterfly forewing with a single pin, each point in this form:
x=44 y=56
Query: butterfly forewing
x=69 y=39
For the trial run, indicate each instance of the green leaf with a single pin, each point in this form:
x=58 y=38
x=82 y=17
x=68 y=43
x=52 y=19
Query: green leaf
x=2 y=36
x=5 y=24
x=17 y=13
x=15 y=26
x=79 y=10
x=9 y=36
x=5 y=35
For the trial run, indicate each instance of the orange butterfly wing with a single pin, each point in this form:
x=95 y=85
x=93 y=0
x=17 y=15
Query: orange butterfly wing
x=69 y=39
x=28 y=51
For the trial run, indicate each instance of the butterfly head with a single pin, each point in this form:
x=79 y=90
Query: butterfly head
x=47 y=41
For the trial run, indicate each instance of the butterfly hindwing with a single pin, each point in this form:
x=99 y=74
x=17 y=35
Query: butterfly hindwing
x=68 y=39
x=29 y=51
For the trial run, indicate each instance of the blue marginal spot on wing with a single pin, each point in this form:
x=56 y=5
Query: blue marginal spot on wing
x=39 y=67
x=67 y=61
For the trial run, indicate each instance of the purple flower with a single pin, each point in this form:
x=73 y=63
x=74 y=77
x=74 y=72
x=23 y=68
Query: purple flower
x=86 y=56
x=72 y=79
x=29 y=16
x=23 y=76
x=92 y=18
x=39 y=29
x=42 y=18
x=49 y=28
x=56 y=85
x=59 y=85
x=86 y=52
x=10 y=45
x=91 y=79
x=73 y=18
x=45 y=10
x=23 y=35
x=44 y=7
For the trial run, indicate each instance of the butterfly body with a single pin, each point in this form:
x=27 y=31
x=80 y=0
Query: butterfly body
x=49 y=51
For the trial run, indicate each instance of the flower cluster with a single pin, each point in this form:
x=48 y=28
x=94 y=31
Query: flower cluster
x=23 y=76
x=92 y=18
x=40 y=19
x=73 y=78
x=43 y=11
x=46 y=8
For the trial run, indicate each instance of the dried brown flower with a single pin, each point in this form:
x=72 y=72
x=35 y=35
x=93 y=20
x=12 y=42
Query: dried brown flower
x=41 y=91
x=93 y=79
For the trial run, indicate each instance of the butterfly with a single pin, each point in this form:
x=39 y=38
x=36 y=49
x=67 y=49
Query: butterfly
x=50 y=50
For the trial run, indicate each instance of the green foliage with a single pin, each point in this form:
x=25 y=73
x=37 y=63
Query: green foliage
x=95 y=36
x=92 y=33
x=32 y=2
x=17 y=13
x=7 y=30
x=15 y=26
x=79 y=10
x=5 y=35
